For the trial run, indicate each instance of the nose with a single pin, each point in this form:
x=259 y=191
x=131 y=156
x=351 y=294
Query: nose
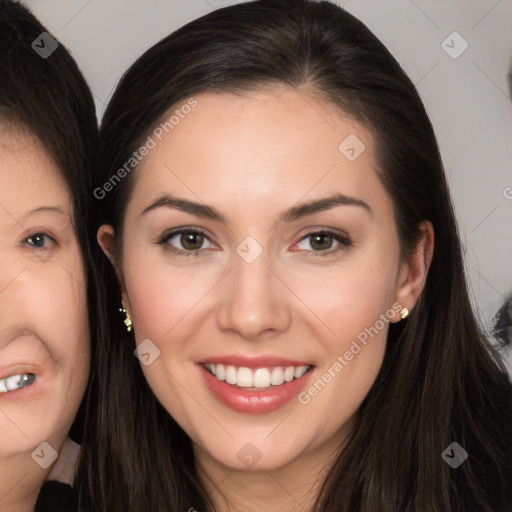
x=12 y=283
x=10 y=266
x=255 y=303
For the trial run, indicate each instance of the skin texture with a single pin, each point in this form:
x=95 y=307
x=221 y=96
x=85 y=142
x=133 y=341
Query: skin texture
x=252 y=157
x=43 y=316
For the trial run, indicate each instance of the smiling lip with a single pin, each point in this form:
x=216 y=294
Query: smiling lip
x=35 y=389
x=254 y=362
x=12 y=363
x=254 y=401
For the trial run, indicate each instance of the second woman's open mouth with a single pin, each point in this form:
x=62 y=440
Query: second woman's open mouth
x=15 y=382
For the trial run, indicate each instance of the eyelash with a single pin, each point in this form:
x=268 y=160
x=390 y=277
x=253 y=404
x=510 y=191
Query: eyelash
x=343 y=240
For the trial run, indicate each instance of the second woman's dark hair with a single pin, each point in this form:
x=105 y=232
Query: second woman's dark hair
x=441 y=381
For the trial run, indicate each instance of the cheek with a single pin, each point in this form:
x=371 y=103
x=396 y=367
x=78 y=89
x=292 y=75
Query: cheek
x=53 y=299
x=63 y=321
x=163 y=296
x=65 y=314
x=350 y=297
x=356 y=305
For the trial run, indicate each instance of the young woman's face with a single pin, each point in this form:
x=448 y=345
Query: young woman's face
x=44 y=336
x=215 y=272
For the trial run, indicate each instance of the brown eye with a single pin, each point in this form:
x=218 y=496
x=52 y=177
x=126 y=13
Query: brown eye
x=192 y=241
x=185 y=241
x=322 y=242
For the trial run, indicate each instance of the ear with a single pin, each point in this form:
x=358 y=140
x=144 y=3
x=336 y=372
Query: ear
x=413 y=272
x=106 y=240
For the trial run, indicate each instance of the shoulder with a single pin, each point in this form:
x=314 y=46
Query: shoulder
x=57 y=497
x=64 y=469
x=57 y=494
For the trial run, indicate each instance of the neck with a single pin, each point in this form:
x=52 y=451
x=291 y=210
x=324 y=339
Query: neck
x=293 y=487
x=20 y=482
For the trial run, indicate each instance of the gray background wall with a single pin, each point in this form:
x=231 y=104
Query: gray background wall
x=466 y=95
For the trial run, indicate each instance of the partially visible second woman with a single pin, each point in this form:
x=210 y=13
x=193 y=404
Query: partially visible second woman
x=48 y=288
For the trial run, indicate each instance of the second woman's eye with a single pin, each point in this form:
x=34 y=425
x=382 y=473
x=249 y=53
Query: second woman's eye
x=185 y=241
x=39 y=240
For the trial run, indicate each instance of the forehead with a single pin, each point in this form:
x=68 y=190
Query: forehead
x=258 y=146
x=28 y=175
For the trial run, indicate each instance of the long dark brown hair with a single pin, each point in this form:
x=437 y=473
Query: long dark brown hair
x=441 y=380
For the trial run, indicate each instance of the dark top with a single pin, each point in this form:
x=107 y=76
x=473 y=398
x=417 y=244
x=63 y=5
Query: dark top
x=56 y=497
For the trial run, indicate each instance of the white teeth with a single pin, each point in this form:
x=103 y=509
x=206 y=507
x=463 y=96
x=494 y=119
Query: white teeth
x=244 y=377
x=261 y=378
x=300 y=371
x=277 y=376
x=289 y=374
x=256 y=378
x=231 y=375
x=220 y=371
x=14 y=382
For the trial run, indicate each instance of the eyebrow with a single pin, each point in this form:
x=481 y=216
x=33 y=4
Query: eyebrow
x=290 y=215
x=56 y=209
x=41 y=209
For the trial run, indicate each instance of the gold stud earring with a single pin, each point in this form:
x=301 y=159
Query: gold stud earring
x=404 y=312
x=127 y=321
